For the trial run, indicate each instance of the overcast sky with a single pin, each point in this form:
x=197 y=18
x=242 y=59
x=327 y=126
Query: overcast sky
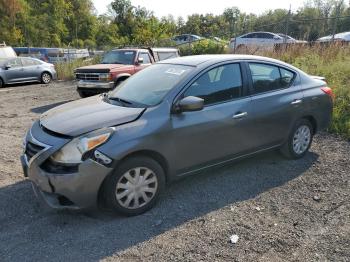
x=187 y=7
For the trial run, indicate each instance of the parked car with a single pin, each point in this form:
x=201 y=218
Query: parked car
x=116 y=66
x=291 y=39
x=172 y=119
x=186 y=38
x=341 y=37
x=25 y=69
x=260 y=40
x=6 y=52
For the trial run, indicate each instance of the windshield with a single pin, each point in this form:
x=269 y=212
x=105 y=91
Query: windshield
x=149 y=86
x=119 y=57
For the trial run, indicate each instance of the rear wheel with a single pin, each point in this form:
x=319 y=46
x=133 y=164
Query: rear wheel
x=135 y=186
x=299 y=141
x=46 y=78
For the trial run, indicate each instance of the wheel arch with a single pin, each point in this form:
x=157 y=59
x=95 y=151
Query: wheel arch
x=313 y=122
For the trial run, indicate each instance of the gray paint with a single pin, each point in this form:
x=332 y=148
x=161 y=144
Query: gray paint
x=187 y=141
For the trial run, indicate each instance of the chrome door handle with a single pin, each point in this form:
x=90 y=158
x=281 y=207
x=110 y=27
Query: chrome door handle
x=240 y=115
x=296 y=102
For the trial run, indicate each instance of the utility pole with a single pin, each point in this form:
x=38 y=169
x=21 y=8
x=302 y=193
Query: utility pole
x=335 y=22
x=287 y=24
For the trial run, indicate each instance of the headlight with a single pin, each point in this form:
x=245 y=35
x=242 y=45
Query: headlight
x=72 y=152
x=104 y=77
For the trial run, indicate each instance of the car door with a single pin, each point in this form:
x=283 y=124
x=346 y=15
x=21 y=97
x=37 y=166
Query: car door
x=31 y=69
x=276 y=100
x=222 y=129
x=146 y=61
x=14 y=71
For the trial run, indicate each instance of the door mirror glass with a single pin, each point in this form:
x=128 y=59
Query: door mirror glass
x=7 y=67
x=190 y=103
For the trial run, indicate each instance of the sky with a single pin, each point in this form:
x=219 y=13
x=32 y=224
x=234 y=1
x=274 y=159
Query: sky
x=187 y=7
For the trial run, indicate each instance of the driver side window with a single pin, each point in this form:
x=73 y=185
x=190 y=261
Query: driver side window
x=217 y=85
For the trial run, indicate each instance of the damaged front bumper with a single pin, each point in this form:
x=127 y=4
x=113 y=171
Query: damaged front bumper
x=77 y=189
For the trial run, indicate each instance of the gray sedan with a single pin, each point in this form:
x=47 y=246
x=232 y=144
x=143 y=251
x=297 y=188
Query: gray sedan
x=172 y=119
x=26 y=69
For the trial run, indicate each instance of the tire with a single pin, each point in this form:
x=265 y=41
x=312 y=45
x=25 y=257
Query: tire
x=142 y=177
x=299 y=140
x=1 y=83
x=46 y=78
x=83 y=94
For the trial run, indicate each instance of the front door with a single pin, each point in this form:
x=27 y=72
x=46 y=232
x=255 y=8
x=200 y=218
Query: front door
x=14 y=72
x=222 y=129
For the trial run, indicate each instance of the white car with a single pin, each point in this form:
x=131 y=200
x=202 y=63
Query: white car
x=345 y=36
x=259 y=40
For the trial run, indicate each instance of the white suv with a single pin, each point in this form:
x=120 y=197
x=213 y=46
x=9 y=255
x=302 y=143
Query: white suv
x=6 y=52
x=259 y=40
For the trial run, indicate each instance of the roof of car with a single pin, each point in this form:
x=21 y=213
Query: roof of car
x=196 y=60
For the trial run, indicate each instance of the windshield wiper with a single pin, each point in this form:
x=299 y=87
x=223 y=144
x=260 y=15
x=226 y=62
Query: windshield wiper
x=120 y=100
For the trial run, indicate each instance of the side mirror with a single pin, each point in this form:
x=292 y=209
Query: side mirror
x=189 y=104
x=140 y=60
x=7 y=67
x=276 y=37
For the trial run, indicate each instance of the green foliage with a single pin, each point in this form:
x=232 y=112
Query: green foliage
x=205 y=46
x=60 y=23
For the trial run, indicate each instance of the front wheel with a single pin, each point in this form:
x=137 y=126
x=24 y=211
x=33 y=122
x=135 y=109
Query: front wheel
x=1 y=83
x=46 y=78
x=135 y=186
x=299 y=141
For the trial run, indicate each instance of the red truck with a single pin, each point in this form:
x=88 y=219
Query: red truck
x=116 y=66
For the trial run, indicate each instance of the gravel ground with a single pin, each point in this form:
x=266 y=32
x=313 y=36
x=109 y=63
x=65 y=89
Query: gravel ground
x=281 y=210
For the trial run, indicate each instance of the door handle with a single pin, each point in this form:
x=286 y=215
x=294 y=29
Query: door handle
x=296 y=102
x=240 y=115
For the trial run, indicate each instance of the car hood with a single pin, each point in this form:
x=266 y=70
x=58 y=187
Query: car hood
x=85 y=115
x=101 y=67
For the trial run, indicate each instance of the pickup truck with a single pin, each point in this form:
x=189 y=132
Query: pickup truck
x=116 y=66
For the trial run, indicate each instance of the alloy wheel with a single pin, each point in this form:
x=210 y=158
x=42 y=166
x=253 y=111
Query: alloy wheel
x=46 y=78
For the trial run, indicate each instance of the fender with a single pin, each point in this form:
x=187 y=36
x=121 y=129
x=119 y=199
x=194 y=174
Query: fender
x=121 y=76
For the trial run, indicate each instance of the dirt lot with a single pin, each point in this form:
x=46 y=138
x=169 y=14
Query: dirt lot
x=281 y=210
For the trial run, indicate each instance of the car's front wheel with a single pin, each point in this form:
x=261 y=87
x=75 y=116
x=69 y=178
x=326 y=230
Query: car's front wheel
x=135 y=186
x=1 y=83
x=299 y=140
x=46 y=78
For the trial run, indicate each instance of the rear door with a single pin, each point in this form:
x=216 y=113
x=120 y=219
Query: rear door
x=15 y=71
x=277 y=101
x=31 y=69
x=223 y=128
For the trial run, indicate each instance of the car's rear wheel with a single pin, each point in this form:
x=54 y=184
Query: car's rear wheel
x=46 y=78
x=135 y=186
x=299 y=141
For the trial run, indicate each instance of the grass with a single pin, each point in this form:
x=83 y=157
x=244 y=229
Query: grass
x=65 y=70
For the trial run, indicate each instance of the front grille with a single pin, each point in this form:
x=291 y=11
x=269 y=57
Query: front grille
x=87 y=76
x=32 y=149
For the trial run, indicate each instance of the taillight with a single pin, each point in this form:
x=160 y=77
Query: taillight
x=327 y=90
